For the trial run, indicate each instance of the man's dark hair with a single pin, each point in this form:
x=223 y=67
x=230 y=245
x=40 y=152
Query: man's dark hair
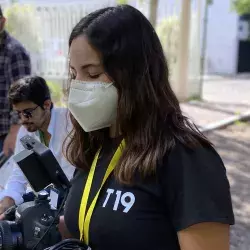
x=30 y=88
x=1 y=12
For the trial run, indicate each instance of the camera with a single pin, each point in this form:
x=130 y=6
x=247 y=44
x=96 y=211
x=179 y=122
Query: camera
x=33 y=224
x=31 y=221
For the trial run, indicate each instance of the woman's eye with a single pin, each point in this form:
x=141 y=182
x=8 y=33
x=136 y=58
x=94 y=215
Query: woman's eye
x=94 y=76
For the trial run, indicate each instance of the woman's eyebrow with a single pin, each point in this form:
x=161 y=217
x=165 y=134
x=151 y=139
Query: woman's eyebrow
x=90 y=65
x=87 y=65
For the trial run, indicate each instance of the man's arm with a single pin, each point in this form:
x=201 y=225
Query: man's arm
x=20 y=66
x=9 y=142
x=17 y=182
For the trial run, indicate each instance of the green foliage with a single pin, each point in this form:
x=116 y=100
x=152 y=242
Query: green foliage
x=241 y=6
x=126 y=1
x=56 y=93
x=23 y=24
x=122 y=1
x=194 y=98
x=168 y=32
x=240 y=123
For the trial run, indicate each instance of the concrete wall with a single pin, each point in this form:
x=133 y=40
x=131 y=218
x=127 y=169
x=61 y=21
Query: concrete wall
x=222 y=41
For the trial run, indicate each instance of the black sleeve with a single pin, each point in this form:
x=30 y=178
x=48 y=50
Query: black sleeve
x=195 y=187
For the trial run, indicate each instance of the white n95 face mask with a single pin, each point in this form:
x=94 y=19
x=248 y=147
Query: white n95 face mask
x=93 y=104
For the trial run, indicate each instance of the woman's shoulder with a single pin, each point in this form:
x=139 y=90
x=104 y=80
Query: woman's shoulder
x=195 y=186
x=198 y=150
x=197 y=160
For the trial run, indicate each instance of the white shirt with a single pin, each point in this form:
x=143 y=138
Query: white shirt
x=59 y=128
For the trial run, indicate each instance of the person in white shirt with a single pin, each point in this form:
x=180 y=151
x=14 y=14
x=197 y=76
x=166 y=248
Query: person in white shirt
x=30 y=98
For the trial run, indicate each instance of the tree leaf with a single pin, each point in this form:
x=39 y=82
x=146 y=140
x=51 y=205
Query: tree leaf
x=241 y=6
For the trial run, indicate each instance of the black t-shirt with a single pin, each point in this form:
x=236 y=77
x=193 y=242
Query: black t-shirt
x=190 y=187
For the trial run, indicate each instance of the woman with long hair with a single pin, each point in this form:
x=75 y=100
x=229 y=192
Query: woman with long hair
x=147 y=178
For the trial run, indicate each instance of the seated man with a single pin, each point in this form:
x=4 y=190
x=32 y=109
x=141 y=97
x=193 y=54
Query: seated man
x=30 y=98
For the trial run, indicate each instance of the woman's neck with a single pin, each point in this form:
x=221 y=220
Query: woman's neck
x=114 y=131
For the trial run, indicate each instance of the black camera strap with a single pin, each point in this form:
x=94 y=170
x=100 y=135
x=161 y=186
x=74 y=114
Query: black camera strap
x=69 y=244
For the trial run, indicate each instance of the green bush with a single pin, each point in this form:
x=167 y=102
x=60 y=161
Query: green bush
x=168 y=31
x=56 y=93
x=241 y=6
x=24 y=24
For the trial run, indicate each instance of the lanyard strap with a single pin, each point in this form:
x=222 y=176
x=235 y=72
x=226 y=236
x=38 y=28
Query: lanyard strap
x=84 y=221
x=41 y=135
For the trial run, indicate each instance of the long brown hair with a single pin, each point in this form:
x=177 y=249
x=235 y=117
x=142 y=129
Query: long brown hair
x=149 y=115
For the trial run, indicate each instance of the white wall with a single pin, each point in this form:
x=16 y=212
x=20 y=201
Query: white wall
x=222 y=45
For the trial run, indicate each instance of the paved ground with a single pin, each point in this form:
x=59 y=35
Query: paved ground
x=233 y=145
x=224 y=97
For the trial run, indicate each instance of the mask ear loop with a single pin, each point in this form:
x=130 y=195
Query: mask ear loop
x=108 y=85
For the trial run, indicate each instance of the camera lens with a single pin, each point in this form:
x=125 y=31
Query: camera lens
x=6 y=239
x=9 y=239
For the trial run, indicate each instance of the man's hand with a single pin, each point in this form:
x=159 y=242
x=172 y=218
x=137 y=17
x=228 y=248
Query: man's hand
x=2 y=217
x=5 y=204
x=10 y=140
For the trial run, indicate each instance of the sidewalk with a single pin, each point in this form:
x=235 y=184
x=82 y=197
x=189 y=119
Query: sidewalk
x=223 y=98
x=233 y=145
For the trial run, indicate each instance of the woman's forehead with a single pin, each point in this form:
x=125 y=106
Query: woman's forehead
x=82 y=53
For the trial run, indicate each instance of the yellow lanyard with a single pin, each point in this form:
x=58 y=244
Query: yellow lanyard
x=84 y=221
